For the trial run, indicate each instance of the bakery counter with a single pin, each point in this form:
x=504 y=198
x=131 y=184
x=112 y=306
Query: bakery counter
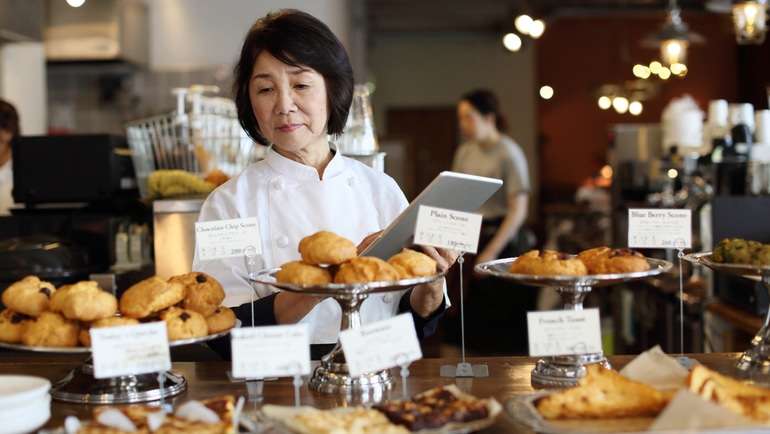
x=509 y=376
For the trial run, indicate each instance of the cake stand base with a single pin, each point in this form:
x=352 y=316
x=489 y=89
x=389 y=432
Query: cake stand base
x=564 y=371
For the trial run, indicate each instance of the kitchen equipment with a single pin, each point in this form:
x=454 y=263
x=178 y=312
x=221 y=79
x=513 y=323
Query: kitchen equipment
x=359 y=136
x=48 y=257
x=24 y=403
x=174 y=228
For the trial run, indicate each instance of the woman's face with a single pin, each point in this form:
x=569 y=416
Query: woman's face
x=289 y=103
x=473 y=125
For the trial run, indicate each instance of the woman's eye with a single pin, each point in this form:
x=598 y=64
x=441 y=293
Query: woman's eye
x=264 y=90
x=301 y=86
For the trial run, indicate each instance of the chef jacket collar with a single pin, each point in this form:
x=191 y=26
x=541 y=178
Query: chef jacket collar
x=299 y=171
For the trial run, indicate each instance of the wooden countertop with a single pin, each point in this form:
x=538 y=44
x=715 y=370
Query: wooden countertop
x=509 y=376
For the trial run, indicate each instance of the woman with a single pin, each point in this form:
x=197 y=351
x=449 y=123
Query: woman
x=9 y=128
x=492 y=306
x=293 y=87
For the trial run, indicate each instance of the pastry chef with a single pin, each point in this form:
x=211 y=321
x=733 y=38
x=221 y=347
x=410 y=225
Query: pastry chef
x=293 y=89
x=9 y=128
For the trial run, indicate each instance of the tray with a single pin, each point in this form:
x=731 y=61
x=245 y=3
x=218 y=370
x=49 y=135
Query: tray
x=743 y=270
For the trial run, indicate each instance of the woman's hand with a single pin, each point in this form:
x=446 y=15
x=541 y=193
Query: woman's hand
x=426 y=298
x=444 y=258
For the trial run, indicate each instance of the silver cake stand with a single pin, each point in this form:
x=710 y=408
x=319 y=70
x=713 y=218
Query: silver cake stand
x=565 y=371
x=757 y=357
x=332 y=375
x=79 y=385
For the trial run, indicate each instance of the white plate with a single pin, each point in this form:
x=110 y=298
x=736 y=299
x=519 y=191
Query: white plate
x=26 y=418
x=16 y=390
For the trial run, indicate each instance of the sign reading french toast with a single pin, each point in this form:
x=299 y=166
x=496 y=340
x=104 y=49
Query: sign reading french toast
x=272 y=351
x=381 y=345
x=564 y=332
x=130 y=350
x=660 y=228
x=447 y=229
x=221 y=239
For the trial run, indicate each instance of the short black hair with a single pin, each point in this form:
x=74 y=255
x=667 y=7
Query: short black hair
x=9 y=118
x=298 y=39
x=485 y=102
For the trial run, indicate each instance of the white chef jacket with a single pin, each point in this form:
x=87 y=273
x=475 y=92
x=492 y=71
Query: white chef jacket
x=6 y=187
x=290 y=203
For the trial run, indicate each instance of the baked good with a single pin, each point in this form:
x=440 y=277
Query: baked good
x=50 y=330
x=222 y=319
x=184 y=324
x=437 y=408
x=365 y=269
x=203 y=293
x=409 y=263
x=84 y=301
x=30 y=296
x=603 y=393
x=326 y=248
x=351 y=420
x=604 y=260
x=548 y=263
x=742 y=398
x=300 y=273
x=150 y=296
x=11 y=326
x=116 y=321
x=740 y=251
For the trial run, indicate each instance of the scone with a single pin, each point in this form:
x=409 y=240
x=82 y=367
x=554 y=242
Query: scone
x=326 y=248
x=50 y=330
x=222 y=319
x=29 y=296
x=85 y=301
x=548 y=263
x=150 y=296
x=365 y=269
x=203 y=293
x=299 y=273
x=409 y=263
x=604 y=260
x=85 y=336
x=184 y=324
x=11 y=326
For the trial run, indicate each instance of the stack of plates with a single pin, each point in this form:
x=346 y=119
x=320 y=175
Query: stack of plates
x=25 y=404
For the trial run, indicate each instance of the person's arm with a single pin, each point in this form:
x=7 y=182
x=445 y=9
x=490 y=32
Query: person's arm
x=514 y=218
x=426 y=299
x=424 y=325
x=289 y=308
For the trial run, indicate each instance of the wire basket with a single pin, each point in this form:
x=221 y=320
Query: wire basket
x=208 y=137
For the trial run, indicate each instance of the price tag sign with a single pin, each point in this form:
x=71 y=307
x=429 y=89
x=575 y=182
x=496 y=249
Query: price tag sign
x=222 y=239
x=381 y=345
x=660 y=228
x=564 y=332
x=130 y=350
x=447 y=229
x=273 y=351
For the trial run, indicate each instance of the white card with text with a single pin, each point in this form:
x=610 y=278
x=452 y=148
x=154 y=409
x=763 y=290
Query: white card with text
x=381 y=345
x=447 y=229
x=271 y=351
x=130 y=350
x=564 y=332
x=659 y=228
x=221 y=239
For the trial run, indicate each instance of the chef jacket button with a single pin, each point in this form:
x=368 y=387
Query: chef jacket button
x=351 y=181
x=282 y=241
x=387 y=298
x=276 y=184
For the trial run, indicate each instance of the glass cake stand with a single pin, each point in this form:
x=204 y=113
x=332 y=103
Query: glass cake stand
x=332 y=375
x=757 y=357
x=565 y=371
x=81 y=387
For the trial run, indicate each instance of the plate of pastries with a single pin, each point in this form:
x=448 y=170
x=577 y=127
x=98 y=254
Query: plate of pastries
x=443 y=409
x=606 y=401
x=330 y=262
x=593 y=266
x=737 y=256
x=41 y=317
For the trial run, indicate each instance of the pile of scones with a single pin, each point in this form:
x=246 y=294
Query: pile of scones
x=39 y=315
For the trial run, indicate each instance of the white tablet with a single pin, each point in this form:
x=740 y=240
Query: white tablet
x=450 y=190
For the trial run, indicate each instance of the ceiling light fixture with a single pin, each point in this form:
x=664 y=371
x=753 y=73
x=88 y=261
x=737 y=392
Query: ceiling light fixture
x=537 y=28
x=750 y=21
x=674 y=38
x=76 y=3
x=523 y=24
x=512 y=42
x=546 y=92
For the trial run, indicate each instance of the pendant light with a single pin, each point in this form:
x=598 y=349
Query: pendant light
x=674 y=38
x=750 y=20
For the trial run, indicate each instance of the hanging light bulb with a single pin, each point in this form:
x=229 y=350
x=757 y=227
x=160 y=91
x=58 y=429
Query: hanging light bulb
x=678 y=69
x=604 y=102
x=635 y=108
x=664 y=73
x=674 y=38
x=523 y=24
x=512 y=42
x=620 y=104
x=546 y=92
x=750 y=21
x=537 y=28
x=76 y=3
x=641 y=71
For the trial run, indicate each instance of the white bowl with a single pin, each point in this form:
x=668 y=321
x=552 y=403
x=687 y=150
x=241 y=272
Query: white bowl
x=25 y=404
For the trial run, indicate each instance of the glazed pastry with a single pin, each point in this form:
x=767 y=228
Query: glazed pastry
x=604 y=260
x=29 y=296
x=409 y=263
x=548 y=263
x=326 y=248
x=222 y=319
x=203 y=293
x=84 y=301
x=12 y=325
x=299 y=273
x=50 y=330
x=150 y=296
x=184 y=324
x=85 y=336
x=365 y=269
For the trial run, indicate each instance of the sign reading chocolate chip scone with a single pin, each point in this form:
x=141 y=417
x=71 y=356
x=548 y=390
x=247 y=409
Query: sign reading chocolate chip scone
x=221 y=239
